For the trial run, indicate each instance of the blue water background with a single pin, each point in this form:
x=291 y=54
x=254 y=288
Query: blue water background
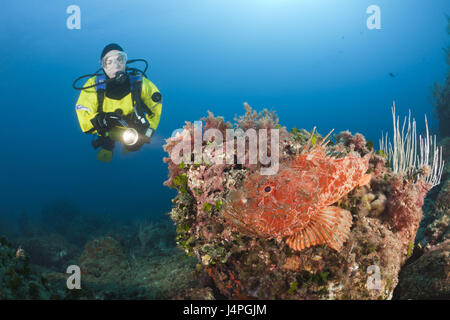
x=314 y=62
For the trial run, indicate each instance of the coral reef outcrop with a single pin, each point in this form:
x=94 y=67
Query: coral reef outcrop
x=385 y=214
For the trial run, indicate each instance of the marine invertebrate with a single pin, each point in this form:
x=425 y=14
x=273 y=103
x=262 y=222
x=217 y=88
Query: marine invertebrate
x=417 y=168
x=357 y=141
x=405 y=207
x=426 y=163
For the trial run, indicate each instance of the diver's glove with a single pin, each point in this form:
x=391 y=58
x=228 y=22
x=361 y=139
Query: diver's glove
x=104 y=142
x=105 y=121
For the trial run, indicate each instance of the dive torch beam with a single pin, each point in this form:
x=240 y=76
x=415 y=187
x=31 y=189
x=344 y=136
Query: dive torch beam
x=127 y=136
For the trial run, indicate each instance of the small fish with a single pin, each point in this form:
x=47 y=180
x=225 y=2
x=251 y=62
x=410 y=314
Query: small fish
x=296 y=203
x=391 y=75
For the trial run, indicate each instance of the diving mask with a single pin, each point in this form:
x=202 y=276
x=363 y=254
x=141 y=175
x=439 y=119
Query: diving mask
x=115 y=58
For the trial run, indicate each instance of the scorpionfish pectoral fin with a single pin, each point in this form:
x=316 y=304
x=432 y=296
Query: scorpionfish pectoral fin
x=331 y=226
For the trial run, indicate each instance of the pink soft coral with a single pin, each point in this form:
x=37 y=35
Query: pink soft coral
x=357 y=141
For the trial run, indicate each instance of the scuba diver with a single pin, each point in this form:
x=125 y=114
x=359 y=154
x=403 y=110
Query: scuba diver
x=120 y=104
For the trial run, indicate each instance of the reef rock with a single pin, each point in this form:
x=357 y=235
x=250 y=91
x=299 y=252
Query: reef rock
x=427 y=273
x=103 y=260
x=428 y=277
x=247 y=259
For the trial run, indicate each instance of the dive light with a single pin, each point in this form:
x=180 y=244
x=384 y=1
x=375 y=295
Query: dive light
x=128 y=136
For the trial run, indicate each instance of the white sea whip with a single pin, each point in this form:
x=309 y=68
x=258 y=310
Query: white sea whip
x=403 y=156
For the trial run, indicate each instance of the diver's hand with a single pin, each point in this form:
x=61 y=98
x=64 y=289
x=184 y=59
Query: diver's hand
x=105 y=121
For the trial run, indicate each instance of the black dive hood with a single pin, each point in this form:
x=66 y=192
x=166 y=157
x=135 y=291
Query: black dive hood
x=120 y=78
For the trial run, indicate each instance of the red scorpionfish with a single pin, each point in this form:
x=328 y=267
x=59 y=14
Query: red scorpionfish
x=296 y=203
